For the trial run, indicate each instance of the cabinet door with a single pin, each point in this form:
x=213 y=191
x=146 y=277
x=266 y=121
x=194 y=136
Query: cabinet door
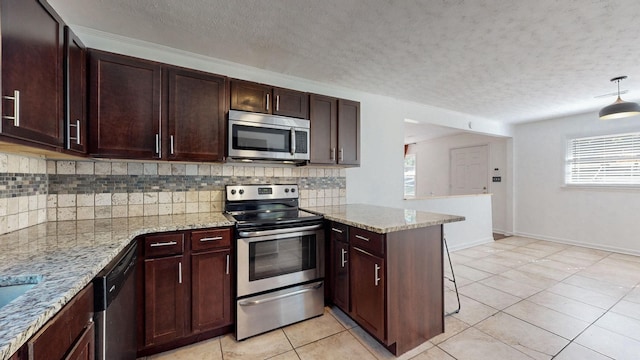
x=124 y=109
x=290 y=103
x=164 y=299
x=195 y=115
x=248 y=96
x=348 y=132
x=367 y=292
x=84 y=348
x=75 y=75
x=340 y=275
x=32 y=53
x=210 y=290
x=324 y=129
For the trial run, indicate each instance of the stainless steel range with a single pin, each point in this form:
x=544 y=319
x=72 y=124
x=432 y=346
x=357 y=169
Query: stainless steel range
x=280 y=258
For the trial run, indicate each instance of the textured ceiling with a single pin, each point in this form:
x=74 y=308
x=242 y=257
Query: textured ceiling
x=510 y=61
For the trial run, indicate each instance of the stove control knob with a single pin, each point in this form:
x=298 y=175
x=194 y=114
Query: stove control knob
x=286 y=190
x=233 y=192
x=293 y=190
x=240 y=191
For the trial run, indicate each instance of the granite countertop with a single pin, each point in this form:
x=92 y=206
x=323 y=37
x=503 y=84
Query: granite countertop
x=63 y=257
x=380 y=219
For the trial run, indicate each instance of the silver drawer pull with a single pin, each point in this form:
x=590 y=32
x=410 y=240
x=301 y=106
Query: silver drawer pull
x=211 y=238
x=344 y=258
x=180 y=272
x=362 y=238
x=227 y=267
x=267 y=102
x=170 y=243
x=336 y=230
x=16 y=108
x=376 y=276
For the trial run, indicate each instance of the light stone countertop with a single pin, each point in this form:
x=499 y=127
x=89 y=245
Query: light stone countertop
x=63 y=257
x=380 y=219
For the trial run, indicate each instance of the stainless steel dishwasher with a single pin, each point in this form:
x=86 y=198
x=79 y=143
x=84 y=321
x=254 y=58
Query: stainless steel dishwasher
x=115 y=307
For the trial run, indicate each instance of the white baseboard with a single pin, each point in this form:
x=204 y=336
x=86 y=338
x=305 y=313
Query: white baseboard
x=502 y=232
x=470 y=244
x=579 y=243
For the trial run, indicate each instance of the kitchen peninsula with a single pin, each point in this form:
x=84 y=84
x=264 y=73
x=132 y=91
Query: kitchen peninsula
x=385 y=270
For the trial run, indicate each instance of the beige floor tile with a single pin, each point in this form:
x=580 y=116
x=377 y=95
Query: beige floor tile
x=633 y=295
x=550 y=320
x=340 y=346
x=625 y=257
x=470 y=273
x=571 y=260
x=537 y=253
x=289 y=355
x=517 y=241
x=459 y=258
x=545 y=271
x=380 y=352
x=529 y=339
x=259 y=347
x=579 y=352
x=500 y=245
x=609 y=343
x=620 y=324
x=557 y=265
x=473 y=311
x=204 y=350
x=584 y=295
x=546 y=246
x=488 y=266
x=472 y=253
x=529 y=278
x=343 y=318
x=460 y=281
x=516 y=288
x=605 y=288
x=489 y=296
x=452 y=326
x=473 y=344
x=314 y=329
x=435 y=353
x=627 y=308
x=508 y=261
x=514 y=255
x=568 y=306
x=614 y=271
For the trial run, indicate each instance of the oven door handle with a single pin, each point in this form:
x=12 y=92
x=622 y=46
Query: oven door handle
x=308 y=288
x=278 y=231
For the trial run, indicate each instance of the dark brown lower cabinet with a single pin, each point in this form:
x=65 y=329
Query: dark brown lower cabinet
x=70 y=334
x=184 y=289
x=367 y=287
x=339 y=265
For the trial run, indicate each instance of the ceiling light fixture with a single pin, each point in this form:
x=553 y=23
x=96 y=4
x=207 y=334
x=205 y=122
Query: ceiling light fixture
x=620 y=108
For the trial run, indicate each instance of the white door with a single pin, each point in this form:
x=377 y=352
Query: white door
x=469 y=170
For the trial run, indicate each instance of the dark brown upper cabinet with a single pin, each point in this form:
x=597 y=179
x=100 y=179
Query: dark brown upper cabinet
x=32 y=56
x=254 y=97
x=75 y=96
x=335 y=131
x=147 y=110
x=196 y=113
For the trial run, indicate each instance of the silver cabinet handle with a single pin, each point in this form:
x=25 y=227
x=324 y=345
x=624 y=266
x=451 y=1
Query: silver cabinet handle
x=344 y=259
x=362 y=238
x=293 y=141
x=180 y=272
x=16 y=108
x=227 y=264
x=171 y=142
x=158 y=144
x=168 y=243
x=341 y=154
x=78 y=132
x=211 y=238
x=333 y=154
x=77 y=137
x=267 y=102
x=277 y=102
x=336 y=230
x=278 y=231
x=377 y=276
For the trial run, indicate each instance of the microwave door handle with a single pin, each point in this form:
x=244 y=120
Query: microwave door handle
x=293 y=141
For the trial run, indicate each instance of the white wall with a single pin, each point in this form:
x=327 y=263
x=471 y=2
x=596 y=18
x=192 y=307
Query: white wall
x=433 y=170
x=545 y=209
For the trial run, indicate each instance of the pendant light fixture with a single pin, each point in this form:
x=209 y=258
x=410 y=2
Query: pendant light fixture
x=620 y=108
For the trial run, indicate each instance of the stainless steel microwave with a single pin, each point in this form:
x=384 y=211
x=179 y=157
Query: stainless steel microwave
x=254 y=136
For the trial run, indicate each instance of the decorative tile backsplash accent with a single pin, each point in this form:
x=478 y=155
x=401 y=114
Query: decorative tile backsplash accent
x=34 y=190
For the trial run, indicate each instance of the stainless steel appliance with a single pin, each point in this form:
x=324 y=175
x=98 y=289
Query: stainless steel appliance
x=280 y=258
x=115 y=307
x=254 y=136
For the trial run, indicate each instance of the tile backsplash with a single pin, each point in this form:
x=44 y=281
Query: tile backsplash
x=34 y=190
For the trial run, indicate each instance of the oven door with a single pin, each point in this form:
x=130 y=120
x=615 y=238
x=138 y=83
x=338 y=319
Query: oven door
x=253 y=140
x=275 y=259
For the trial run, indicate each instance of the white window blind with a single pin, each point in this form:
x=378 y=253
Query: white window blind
x=604 y=160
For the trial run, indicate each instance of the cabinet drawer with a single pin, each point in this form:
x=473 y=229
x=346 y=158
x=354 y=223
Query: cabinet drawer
x=163 y=245
x=210 y=239
x=367 y=240
x=339 y=231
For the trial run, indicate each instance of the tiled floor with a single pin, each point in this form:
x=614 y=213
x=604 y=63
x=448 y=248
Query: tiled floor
x=521 y=299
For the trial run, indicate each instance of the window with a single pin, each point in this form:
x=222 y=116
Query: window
x=410 y=175
x=604 y=160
